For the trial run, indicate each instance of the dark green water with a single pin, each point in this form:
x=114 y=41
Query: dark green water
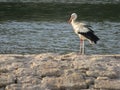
x=61 y=12
x=40 y=28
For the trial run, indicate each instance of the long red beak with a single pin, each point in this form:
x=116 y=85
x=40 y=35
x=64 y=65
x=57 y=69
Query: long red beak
x=70 y=20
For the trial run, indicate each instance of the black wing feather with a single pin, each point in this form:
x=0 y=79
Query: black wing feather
x=90 y=35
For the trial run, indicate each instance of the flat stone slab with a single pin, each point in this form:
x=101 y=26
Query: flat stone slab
x=50 y=71
x=108 y=84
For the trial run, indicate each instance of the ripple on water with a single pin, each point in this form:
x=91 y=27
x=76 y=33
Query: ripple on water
x=57 y=37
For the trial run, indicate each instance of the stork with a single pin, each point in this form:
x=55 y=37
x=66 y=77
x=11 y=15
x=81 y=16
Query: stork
x=83 y=31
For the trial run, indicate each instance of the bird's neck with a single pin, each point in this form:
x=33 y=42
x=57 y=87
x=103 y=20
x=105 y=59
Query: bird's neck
x=73 y=22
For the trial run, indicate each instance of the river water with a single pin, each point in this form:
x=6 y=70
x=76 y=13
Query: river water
x=32 y=28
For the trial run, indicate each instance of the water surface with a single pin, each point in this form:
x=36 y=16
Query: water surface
x=40 y=28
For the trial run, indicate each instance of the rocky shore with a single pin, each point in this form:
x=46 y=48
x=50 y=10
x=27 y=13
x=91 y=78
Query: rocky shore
x=51 y=71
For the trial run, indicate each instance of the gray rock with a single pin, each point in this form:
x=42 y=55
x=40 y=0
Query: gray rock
x=71 y=82
x=5 y=80
x=50 y=71
x=14 y=87
x=96 y=73
x=107 y=84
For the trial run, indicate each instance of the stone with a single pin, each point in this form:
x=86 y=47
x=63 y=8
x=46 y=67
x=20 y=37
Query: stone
x=96 y=73
x=2 y=88
x=24 y=71
x=102 y=78
x=107 y=84
x=5 y=80
x=51 y=71
x=29 y=79
x=70 y=82
x=92 y=73
x=14 y=87
x=90 y=80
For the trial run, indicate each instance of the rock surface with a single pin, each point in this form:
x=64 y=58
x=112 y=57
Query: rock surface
x=51 y=71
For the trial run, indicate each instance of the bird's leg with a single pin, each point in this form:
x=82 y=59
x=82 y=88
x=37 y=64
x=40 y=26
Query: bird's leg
x=83 y=47
x=81 y=41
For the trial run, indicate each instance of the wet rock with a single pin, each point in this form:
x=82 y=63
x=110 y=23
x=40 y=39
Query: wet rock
x=51 y=72
x=29 y=79
x=26 y=86
x=89 y=80
x=5 y=79
x=2 y=88
x=24 y=71
x=110 y=74
x=102 y=78
x=71 y=82
x=14 y=87
x=107 y=84
x=96 y=73
x=92 y=73
x=59 y=72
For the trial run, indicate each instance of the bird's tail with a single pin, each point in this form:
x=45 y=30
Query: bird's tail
x=90 y=36
x=95 y=39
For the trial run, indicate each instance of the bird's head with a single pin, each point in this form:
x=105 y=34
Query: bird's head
x=73 y=17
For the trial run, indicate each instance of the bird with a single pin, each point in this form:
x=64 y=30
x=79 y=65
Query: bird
x=84 y=32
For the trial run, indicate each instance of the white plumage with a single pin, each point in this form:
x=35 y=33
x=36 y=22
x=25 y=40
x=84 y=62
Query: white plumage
x=83 y=31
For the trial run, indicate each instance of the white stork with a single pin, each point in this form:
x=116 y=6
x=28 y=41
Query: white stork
x=83 y=31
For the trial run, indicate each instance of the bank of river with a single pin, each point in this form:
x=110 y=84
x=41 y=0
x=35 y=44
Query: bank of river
x=51 y=71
